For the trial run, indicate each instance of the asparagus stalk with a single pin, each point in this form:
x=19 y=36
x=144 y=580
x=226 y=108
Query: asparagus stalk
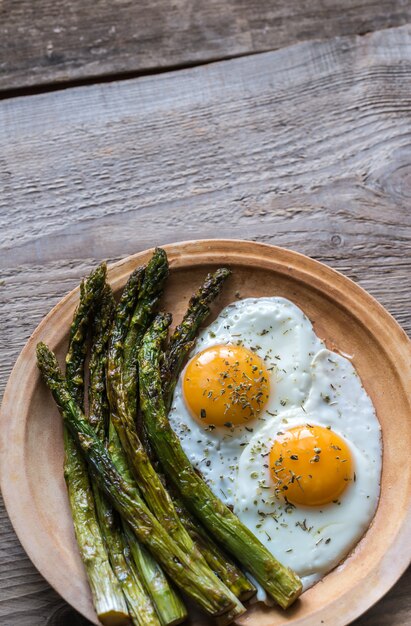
x=118 y=334
x=139 y=603
x=179 y=347
x=183 y=337
x=180 y=566
x=150 y=485
x=108 y=598
x=99 y=410
x=155 y=274
x=90 y=293
x=219 y=562
x=279 y=582
x=169 y=606
x=168 y=603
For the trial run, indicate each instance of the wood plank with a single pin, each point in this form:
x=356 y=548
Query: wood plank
x=47 y=42
x=308 y=148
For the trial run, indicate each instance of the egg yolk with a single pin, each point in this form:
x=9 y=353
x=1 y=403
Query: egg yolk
x=225 y=385
x=311 y=465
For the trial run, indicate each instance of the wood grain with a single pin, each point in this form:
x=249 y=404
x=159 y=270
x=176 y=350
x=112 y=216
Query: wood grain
x=308 y=148
x=48 y=42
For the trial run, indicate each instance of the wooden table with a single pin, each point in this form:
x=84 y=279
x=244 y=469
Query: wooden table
x=117 y=133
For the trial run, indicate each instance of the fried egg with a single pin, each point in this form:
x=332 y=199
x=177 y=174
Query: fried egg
x=282 y=431
x=308 y=481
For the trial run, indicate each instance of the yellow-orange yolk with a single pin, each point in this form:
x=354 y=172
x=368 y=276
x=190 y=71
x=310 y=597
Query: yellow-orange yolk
x=311 y=465
x=225 y=385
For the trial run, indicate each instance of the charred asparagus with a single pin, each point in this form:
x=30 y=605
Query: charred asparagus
x=139 y=603
x=205 y=590
x=150 y=484
x=108 y=598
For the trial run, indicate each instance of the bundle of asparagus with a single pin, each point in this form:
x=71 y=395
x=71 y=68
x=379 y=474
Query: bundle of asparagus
x=142 y=514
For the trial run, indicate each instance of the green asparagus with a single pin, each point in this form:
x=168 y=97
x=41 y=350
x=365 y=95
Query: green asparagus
x=183 y=337
x=225 y=569
x=279 y=582
x=168 y=603
x=99 y=410
x=150 y=485
x=169 y=606
x=179 y=565
x=108 y=598
x=155 y=274
x=118 y=333
x=139 y=604
x=90 y=293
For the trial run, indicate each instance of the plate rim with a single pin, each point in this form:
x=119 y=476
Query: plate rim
x=288 y=261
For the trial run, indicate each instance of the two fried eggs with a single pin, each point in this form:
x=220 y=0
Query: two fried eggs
x=283 y=432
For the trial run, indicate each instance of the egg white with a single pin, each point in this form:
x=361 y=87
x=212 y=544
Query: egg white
x=310 y=540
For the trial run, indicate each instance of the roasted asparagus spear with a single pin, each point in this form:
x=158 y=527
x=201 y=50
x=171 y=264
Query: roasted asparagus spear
x=152 y=489
x=183 y=337
x=139 y=603
x=108 y=598
x=155 y=274
x=206 y=590
x=99 y=410
x=169 y=606
x=168 y=603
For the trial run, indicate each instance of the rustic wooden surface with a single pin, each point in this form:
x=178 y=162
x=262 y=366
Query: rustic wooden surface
x=306 y=147
x=46 y=41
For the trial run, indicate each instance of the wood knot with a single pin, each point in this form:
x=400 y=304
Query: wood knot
x=393 y=178
x=336 y=240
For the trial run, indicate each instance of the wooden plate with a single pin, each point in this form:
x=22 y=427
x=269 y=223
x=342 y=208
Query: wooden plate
x=344 y=315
